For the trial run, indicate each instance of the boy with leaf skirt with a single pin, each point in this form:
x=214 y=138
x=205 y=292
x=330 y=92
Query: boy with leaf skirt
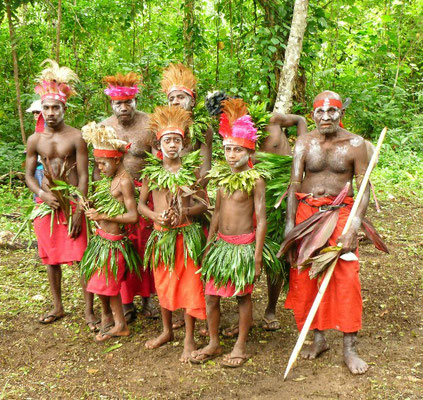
x=234 y=260
x=175 y=246
x=110 y=253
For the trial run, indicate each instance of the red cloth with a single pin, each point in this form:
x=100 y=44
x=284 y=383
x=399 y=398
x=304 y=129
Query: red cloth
x=58 y=248
x=134 y=285
x=98 y=283
x=229 y=289
x=341 y=306
x=182 y=287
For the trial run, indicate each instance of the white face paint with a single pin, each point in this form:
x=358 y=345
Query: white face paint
x=124 y=110
x=171 y=156
x=357 y=141
x=315 y=152
x=242 y=161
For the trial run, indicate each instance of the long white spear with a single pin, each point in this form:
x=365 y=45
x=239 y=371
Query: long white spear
x=329 y=272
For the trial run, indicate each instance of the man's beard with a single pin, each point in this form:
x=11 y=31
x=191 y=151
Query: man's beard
x=328 y=131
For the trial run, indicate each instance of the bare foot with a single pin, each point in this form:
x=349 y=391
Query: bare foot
x=189 y=347
x=160 y=340
x=206 y=353
x=179 y=323
x=93 y=323
x=354 y=363
x=318 y=346
x=112 y=333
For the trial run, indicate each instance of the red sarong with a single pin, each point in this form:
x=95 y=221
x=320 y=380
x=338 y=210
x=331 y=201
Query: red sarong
x=138 y=234
x=182 y=287
x=229 y=289
x=98 y=283
x=58 y=248
x=341 y=306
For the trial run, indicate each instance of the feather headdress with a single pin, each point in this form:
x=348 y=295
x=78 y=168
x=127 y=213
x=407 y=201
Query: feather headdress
x=236 y=126
x=167 y=119
x=179 y=77
x=122 y=87
x=55 y=83
x=104 y=140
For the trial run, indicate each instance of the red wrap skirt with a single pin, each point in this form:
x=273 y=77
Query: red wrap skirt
x=59 y=248
x=341 y=306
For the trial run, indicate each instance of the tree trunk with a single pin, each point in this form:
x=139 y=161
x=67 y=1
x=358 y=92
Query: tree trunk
x=59 y=23
x=188 y=32
x=15 y=69
x=283 y=102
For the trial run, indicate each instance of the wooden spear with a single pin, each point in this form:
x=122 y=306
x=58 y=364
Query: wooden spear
x=329 y=272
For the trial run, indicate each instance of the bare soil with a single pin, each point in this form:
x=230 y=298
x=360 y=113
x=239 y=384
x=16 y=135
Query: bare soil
x=62 y=361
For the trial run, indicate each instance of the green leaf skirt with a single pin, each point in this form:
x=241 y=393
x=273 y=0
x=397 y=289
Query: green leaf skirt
x=101 y=251
x=236 y=263
x=161 y=245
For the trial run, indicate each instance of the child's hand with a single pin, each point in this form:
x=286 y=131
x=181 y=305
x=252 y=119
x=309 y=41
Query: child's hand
x=93 y=215
x=158 y=218
x=257 y=273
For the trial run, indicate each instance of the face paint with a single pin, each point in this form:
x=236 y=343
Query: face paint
x=242 y=161
x=124 y=110
x=171 y=145
x=181 y=99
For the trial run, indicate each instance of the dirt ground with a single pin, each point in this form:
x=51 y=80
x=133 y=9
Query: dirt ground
x=62 y=361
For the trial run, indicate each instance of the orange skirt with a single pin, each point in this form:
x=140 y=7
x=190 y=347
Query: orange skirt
x=182 y=287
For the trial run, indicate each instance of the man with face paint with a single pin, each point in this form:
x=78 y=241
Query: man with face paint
x=179 y=85
x=60 y=147
x=325 y=160
x=174 y=248
x=131 y=126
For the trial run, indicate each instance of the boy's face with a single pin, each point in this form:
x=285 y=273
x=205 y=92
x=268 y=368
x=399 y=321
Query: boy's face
x=236 y=156
x=171 y=145
x=107 y=166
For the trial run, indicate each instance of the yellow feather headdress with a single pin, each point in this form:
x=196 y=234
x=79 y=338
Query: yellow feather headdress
x=56 y=83
x=167 y=119
x=104 y=140
x=179 y=77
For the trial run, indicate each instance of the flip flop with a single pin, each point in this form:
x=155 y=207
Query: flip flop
x=231 y=332
x=268 y=322
x=226 y=364
x=130 y=315
x=206 y=358
x=150 y=312
x=53 y=316
x=94 y=324
x=107 y=335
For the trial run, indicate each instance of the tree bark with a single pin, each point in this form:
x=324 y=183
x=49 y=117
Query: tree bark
x=59 y=23
x=15 y=69
x=283 y=102
x=189 y=21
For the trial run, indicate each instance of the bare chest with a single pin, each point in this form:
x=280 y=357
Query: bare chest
x=334 y=157
x=56 y=146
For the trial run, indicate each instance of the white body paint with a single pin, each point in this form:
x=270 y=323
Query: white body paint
x=357 y=141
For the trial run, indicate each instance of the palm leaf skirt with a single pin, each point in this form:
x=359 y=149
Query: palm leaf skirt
x=100 y=252
x=236 y=263
x=161 y=245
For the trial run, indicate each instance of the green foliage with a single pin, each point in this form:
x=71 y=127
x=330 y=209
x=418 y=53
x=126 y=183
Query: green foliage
x=221 y=176
x=103 y=200
x=160 y=178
